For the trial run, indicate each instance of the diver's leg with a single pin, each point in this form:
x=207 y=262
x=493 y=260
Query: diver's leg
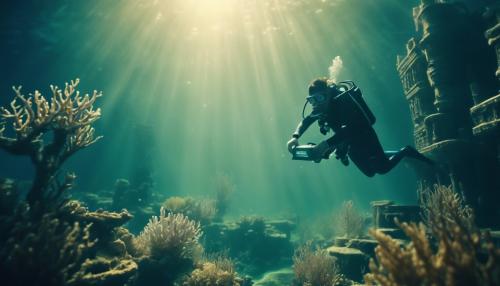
x=394 y=157
x=361 y=161
x=372 y=158
x=390 y=160
x=360 y=156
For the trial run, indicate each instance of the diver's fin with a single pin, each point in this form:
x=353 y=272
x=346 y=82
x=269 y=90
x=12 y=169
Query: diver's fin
x=413 y=153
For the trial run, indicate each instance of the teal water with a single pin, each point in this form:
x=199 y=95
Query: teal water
x=197 y=88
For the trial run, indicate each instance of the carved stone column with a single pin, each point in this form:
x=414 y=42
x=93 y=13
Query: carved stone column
x=412 y=71
x=486 y=129
x=443 y=26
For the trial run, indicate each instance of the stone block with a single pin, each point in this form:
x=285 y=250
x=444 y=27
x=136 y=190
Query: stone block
x=341 y=241
x=352 y=263
x=385 y=212
x=367 y=246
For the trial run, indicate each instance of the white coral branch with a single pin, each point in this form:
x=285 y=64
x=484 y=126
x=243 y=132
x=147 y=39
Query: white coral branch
x=65 y=110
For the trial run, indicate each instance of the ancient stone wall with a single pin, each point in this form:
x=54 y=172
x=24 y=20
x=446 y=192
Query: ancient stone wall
x=448 y=77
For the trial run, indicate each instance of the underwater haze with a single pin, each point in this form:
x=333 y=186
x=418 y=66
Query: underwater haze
x=196 y=88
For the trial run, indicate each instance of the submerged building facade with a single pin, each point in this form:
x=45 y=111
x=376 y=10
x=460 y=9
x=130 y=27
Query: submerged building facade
x=451 y=80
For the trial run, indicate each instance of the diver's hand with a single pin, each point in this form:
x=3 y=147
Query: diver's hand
x=292 y=143
x=321 y=150
x=341 y=153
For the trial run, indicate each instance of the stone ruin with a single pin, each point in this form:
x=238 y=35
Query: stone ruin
x=353 y=254
x=450 y=77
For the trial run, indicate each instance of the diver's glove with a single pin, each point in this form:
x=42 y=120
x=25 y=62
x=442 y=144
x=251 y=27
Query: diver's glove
x=341 y=153
x=292 y=143
x=321 y=151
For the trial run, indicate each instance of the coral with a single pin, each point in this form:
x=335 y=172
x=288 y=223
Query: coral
x=456 y=261
x=127 y=238
x=65 y=246
x=101 y=219
x=201 y=210
x=169 y=234
x=178 y=204
x=443 y=208
x=168 y=247
x=102 y=271
x=349 y=222
x=205 y=211
x=314 y=267
x=67 y=115
x=458 y=257
x=105 y=226
x=282 y=276
x=48 y=240
x=216 y=273
x=56 y=245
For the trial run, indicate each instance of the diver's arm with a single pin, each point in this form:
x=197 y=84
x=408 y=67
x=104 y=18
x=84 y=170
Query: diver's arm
x=303 y=125
x=326 y=147
x=339 y=136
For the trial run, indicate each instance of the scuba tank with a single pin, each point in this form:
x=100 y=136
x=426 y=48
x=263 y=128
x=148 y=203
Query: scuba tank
x=353 y=105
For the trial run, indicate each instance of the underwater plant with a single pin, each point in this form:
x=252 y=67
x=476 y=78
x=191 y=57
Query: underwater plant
x=219 y=272
x=66 y=115
x=178 y=204
x=443 y=208
x=457 y=254
x=168 y=247
x=200 y=210
x=349 y=222
x=58 y=246
x=314 y=267
x=46 y=239
x=105 y=271
x=172 y=235
x=65 y=245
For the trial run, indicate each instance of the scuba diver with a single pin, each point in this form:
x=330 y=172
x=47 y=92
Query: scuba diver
x=340 y=107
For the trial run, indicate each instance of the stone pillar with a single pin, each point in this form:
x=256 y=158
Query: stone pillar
x=412 y=71
x=486 y=129
x=443 y=26
x=482 y=61
x=446 y=43
x=493 y=33
x=458 y=66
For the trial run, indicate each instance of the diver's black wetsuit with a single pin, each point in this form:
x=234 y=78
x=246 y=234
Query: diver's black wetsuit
x=364 y=147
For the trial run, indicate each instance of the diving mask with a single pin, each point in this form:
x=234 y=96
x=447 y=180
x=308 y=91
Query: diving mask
x=316 y=98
